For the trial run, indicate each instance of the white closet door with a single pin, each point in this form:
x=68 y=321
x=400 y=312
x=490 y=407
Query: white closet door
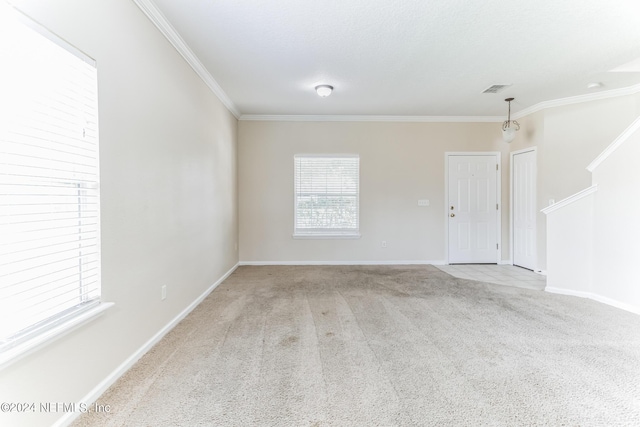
x=524 y=209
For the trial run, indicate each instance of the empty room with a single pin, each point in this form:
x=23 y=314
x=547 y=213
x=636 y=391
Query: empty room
x=288 y=213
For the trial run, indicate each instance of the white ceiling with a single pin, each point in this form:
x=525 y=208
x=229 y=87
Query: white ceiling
x=407 y=57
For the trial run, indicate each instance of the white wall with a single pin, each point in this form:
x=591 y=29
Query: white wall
x=570 y=264
x=568 y=138
x=169 y=198
x=617 y=232
x=592 y=241
x=574 y=135
x=399 y=164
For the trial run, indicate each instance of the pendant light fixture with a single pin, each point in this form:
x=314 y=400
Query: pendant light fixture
x=509 y=127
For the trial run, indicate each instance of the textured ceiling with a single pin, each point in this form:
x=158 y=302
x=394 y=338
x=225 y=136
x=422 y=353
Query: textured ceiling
x=407 y=57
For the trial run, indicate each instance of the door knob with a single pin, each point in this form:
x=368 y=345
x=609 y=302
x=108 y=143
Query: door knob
x=452 y=215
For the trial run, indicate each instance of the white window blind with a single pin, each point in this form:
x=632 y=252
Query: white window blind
x=326 y=195
x=49 y=201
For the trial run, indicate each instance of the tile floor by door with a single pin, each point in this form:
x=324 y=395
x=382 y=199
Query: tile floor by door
x=508 y=275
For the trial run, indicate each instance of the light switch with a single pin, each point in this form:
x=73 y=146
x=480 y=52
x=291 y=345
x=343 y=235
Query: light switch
x=423 y=202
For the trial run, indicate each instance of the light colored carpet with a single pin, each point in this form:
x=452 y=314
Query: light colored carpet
x=383 y=346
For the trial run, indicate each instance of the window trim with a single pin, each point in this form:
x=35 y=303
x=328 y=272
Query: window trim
x=49 y=330
x=51 y=334
x=312 y=236
x=328 y=234
x=47 y=34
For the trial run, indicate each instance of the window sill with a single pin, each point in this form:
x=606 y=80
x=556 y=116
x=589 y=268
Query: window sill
x=326 y=236
x=11 y=355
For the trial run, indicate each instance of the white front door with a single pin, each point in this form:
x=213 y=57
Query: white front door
x=473 y=209
x=524 y=209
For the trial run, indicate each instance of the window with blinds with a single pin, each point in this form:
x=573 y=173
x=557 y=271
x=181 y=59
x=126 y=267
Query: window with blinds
x=326 y=195
x=49 y=201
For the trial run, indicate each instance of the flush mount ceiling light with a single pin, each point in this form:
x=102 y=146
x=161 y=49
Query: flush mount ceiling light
x=324 y=90
x=509 y=127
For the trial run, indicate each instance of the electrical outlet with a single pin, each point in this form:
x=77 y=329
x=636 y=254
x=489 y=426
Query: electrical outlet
x=384 y=243
x=163 y=292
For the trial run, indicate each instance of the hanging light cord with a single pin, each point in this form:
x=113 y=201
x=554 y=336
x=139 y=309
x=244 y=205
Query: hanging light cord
x=508 y=122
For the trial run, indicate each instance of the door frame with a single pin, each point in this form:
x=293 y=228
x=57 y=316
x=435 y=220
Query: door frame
x=511 y=156
x=498 y=156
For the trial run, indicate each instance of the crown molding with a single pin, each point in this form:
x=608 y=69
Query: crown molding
x=161 y=22
x=614 y=93
x=364 y=118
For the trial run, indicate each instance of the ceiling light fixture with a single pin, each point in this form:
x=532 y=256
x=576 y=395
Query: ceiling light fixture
x=509 y=127
x=324 y=90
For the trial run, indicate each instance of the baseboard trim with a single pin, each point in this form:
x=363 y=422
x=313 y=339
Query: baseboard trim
x=97 y=391
x=398 y=262
x=505 y=262
x=595 y=297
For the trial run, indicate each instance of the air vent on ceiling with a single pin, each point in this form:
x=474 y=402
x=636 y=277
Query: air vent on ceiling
x=495 y=88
